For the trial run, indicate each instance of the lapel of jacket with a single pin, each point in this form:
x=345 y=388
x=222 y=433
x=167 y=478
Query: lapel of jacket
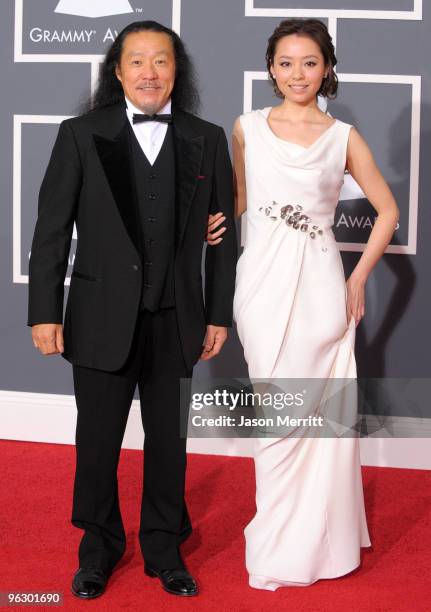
x=188 y=159
x=113 y=148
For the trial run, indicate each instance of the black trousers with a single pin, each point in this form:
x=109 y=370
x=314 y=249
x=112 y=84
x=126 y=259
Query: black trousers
x=103 y=400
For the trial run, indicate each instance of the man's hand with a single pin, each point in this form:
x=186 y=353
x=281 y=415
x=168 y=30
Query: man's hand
x=215 y=338
x=48 y=338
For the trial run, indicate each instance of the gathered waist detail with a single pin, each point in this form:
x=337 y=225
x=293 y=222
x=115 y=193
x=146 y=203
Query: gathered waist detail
x=295 y=218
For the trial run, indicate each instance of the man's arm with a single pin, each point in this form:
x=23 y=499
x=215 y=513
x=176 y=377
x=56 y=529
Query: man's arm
x=58 y=199
x=220 y=261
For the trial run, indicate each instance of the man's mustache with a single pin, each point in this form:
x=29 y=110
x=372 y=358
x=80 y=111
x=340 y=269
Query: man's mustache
x=153 y=84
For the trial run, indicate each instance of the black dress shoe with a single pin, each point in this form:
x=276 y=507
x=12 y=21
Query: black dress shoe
x=176 y=581
x=89 y=582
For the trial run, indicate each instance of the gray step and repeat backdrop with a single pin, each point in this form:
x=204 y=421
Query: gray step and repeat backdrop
x=51 y=52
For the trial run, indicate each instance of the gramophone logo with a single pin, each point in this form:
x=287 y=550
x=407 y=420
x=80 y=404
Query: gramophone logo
x=93 y=8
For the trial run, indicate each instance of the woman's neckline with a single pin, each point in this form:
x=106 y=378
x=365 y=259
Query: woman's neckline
x=266 y=112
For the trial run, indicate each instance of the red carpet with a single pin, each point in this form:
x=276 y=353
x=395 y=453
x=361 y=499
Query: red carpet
x=39 y=545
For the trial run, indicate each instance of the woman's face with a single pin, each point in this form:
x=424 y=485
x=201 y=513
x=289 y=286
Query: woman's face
x=298 y=68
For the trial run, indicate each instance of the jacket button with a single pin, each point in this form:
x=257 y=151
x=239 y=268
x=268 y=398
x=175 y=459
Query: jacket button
x=135 y=267
x=152 y=196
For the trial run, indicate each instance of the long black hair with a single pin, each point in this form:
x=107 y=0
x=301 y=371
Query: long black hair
x=185 y=95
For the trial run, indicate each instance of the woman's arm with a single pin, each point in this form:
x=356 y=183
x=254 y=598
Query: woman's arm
x=239 y=186
x=363 y=168
x=213 y=235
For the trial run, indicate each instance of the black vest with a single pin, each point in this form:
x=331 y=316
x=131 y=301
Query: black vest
x=155 y=188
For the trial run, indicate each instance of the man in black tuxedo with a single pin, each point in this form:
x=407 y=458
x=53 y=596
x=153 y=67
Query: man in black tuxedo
x=139 y=179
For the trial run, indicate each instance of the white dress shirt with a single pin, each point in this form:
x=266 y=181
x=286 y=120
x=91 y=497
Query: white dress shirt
x=150 y=134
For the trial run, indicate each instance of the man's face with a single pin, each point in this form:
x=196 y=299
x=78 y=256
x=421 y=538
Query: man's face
x=147 y=70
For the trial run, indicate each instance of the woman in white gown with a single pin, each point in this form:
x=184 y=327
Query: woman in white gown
x=295 y=315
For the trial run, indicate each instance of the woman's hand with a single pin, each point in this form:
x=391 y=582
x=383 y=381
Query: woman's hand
x=212 y=236
x=355 y=298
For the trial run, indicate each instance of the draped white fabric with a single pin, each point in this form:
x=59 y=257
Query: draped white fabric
x=290 y=311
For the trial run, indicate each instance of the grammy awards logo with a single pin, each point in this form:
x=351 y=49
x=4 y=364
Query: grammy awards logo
x=93 y=8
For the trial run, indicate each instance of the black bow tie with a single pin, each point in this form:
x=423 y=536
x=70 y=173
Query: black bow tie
x=141 y=118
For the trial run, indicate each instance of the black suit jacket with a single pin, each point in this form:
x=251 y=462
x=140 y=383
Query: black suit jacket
x=89 y=180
